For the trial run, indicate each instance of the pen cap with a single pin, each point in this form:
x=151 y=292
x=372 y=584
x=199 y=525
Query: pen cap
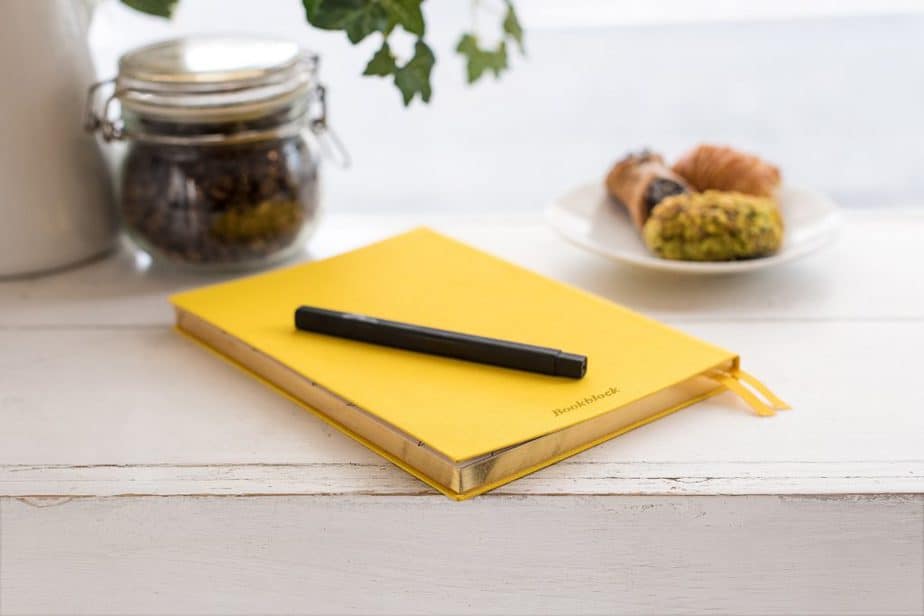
x=570 y=365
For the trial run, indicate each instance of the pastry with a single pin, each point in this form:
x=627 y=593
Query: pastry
x=714 y=226
x=714 y=167
x=640 y=181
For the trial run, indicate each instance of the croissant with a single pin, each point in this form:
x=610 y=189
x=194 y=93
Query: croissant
x=640 y=181
x=713 y=167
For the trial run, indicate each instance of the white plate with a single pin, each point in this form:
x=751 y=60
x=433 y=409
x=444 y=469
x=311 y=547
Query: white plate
x=590 y=219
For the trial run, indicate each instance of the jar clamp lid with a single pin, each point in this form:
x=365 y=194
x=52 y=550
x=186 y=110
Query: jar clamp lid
x=214 y=80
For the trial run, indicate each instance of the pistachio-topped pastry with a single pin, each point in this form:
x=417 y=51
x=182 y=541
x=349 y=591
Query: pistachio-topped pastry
x=714 y=226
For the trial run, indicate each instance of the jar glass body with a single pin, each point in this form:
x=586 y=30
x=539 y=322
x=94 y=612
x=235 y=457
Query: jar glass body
x=231 y=204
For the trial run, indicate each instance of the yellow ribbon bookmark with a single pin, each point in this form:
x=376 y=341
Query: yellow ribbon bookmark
x=735 y=381
x=762 y=389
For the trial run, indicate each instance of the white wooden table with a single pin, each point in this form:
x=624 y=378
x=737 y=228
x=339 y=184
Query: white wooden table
x=138 y=474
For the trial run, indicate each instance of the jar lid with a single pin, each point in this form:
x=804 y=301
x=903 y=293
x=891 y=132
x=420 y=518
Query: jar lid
x=214 y=78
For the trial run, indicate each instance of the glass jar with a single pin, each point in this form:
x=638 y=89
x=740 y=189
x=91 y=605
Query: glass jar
x=220 y=167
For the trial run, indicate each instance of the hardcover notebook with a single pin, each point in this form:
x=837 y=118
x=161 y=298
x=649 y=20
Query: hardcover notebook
x=463 y=428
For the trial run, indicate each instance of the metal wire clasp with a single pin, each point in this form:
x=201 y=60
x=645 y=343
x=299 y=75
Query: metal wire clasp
x=99 y=120
x=328 y=140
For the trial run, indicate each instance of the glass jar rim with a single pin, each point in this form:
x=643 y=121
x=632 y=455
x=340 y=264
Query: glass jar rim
x=223 y=83
x=207 y=79
x=203 y=61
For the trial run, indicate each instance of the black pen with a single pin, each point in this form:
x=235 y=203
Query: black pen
x=505 y=353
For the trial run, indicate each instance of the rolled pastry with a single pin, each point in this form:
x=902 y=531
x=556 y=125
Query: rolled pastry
x=640 y=181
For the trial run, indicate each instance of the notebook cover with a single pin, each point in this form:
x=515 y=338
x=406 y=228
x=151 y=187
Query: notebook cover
x=461 y=409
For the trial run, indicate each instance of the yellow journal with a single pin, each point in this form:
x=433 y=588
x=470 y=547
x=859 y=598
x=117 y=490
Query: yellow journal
x=463 y=428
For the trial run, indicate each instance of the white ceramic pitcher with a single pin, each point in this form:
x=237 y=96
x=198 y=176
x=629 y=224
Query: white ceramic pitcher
x=55 y=202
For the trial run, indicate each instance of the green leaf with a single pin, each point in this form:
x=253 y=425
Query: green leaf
x=159 y=8
x=332 y=14
x=358 y=18
x=382 y=63
x=414 y=77
x=407 y=13
x=373 y=19
x=479 y=60
x=512 y=26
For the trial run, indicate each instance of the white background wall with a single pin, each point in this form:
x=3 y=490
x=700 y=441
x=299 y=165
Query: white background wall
x=831 y=91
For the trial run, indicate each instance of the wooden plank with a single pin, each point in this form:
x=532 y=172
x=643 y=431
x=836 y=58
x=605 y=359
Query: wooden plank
x=148 y=401
x=577 y=476
x=428 y=555
x=841 y=282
